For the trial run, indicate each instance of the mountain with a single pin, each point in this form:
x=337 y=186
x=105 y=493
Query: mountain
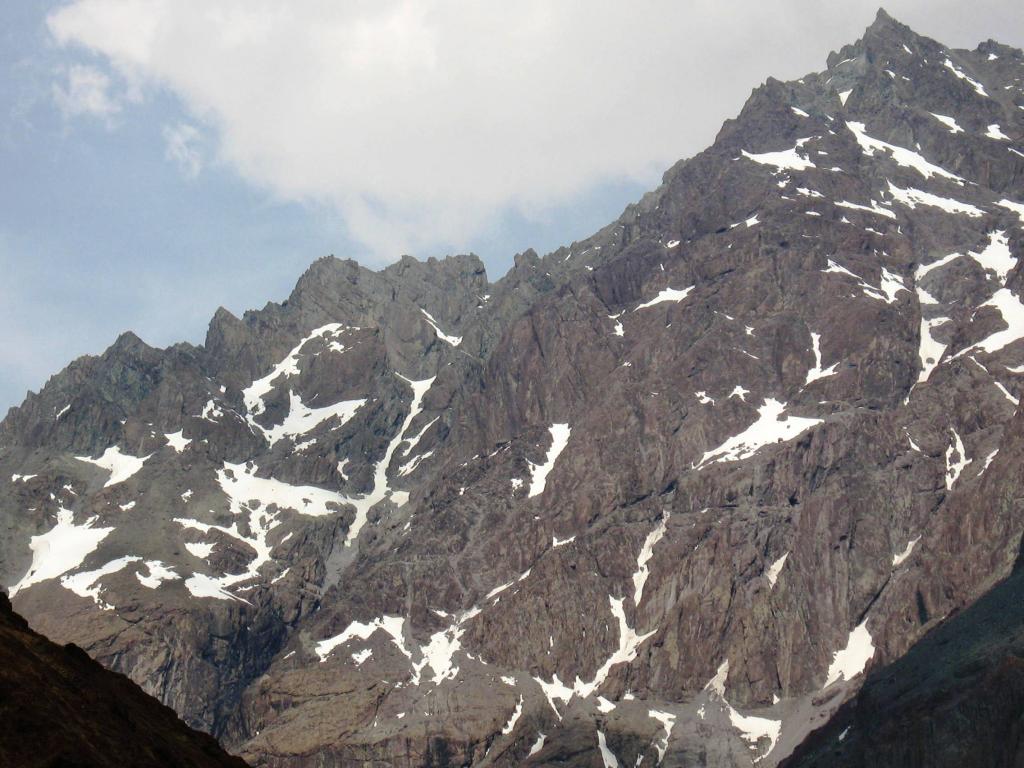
x=665 y=495
x=58 y=707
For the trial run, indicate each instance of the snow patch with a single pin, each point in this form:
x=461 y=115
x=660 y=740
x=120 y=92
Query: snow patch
x=978 y=87
x=898 y=559
x=995 y=132
x=393 y=626
x=949 y=122
x=539 y=472
x=61 y=549
x=511 y=724
x=1010 y=205
x=891 y=284
x=158 y=574
x=202 y=585
x=177 y=440
x=873 y=208
x=199 y=549
x=667 y=294
x=752 y=729
x=253 y=394
x=497 y=591
x=955 y=466
x=911 y=198
x=87 y=583
x=440 y=650
x=904 y=157
x=240 y=483
x=302 y=419
x=410 y=466
x=668 y=721
x=988 y=460
x=996 y=256
x=1012 y=310
x=629 y=645
x=121 y=466
x=554 y=691
x=766 y=430
x=740 y=392
x=538 y=745
x=646 y=553
x=254 y=496
x=1006 y=393
x=785 y=160
x=930 y=350
x=381 y=489
x=211 y=411
x=775 y=569
x=607 y=756
x=925 y=269
x=446 y=338
x=851 y=660
x=817 y=372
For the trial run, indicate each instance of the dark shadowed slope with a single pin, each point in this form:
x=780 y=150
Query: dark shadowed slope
x=58 y=707
x=956 y=699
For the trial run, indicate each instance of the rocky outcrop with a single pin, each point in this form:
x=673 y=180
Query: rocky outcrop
x=668 y=493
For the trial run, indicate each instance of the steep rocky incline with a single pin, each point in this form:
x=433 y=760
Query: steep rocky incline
x=58 y=707
x=665 y=494
x=955 y=699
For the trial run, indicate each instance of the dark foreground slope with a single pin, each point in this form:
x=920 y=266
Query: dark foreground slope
x=58 y=707
x=956 y=698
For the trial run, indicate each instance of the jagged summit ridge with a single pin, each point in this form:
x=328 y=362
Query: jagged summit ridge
x=666 y=492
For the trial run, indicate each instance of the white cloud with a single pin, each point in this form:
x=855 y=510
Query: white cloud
x=181 y=147
x=421 y=121
x=85 y=91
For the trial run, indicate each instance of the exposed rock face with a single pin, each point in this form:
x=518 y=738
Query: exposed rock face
x=663 y=494
x=58 y=707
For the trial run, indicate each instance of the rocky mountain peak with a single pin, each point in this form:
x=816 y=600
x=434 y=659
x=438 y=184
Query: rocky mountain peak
x=669 y=493
x=884 y=37
x=129 y=344
x=884 y=23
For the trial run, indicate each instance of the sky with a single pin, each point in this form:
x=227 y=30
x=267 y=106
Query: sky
x=162 y=158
